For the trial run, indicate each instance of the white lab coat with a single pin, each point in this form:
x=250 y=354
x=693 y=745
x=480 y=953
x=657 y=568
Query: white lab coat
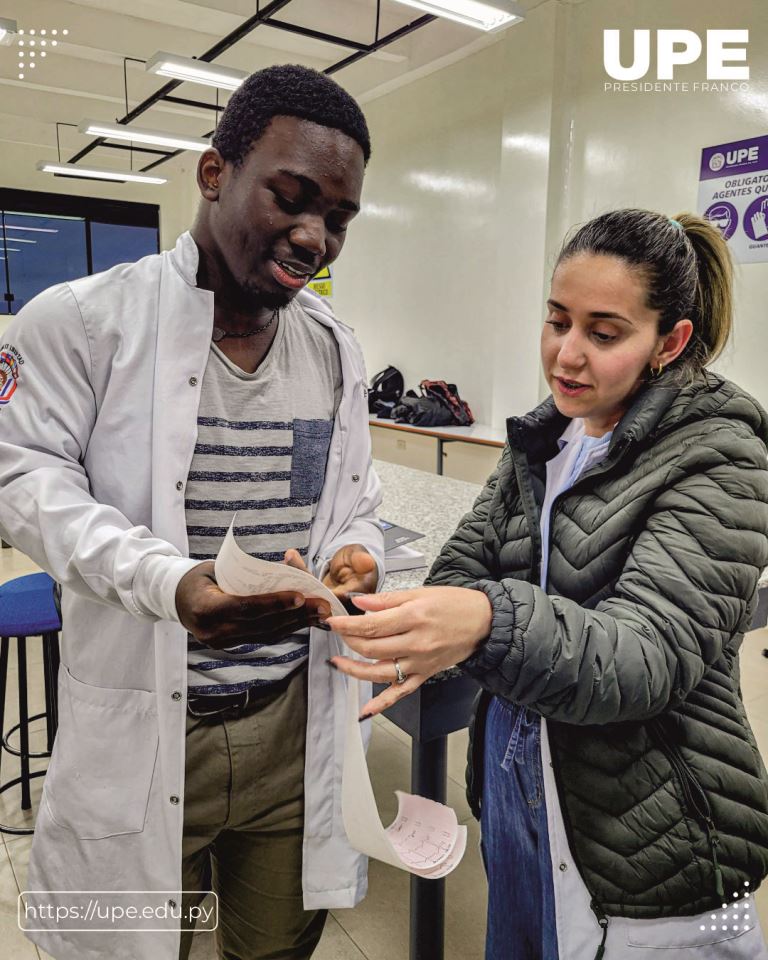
x=731 y=934
x=95 y=446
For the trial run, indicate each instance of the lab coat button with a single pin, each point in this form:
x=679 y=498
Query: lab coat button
x=563 y=866
x=355 y=478
x=176 y=695
x=174 y=799
x=179 y=484
x=193 y=381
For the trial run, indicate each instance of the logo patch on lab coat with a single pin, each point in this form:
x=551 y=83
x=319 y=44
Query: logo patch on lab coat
x=10 y=362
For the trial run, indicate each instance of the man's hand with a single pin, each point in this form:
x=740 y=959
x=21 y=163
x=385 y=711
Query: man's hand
x=220 y=620
x=352 y=570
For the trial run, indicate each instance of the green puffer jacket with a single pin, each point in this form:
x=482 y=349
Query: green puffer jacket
x=632 y=652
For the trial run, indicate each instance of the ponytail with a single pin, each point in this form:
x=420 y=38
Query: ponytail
x=712 y=312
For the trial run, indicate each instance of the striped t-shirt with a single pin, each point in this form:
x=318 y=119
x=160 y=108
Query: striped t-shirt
x=262 y=446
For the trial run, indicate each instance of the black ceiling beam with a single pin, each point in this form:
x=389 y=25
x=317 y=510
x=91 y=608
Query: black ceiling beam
x=246 y=27
x=127 y=146
x=194 y=103
x=383 y=42
x=262 y=18
x=317 y=35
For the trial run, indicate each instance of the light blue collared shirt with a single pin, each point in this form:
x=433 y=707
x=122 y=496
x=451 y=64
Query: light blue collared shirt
x=578 y=452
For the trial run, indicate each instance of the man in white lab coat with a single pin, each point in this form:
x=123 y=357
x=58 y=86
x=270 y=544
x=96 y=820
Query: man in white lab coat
x=152 y=404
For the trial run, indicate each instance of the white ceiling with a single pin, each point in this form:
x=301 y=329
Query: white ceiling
x=83 y=76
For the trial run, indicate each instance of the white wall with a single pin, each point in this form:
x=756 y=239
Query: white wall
x=442 y=272
x=450 y=282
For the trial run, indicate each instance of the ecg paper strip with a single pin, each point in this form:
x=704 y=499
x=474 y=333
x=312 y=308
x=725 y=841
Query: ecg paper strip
x=425 y=838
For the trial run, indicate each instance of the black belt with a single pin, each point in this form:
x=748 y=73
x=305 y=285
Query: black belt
x=210 y=705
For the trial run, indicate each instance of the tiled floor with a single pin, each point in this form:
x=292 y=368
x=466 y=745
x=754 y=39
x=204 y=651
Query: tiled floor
x=378 y=928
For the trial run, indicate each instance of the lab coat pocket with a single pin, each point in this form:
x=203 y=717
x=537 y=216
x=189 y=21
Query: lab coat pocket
x=104 y=755
x=311 y=440
x=704 y=931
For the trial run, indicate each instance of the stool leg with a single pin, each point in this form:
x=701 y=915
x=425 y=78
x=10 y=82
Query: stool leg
x=55 y=662
x=4 y=644
x=26 y=800
x=49 y=681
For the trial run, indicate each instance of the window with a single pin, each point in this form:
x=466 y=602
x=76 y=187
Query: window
x=113 y=243
x=38 y=252
x=49 y=238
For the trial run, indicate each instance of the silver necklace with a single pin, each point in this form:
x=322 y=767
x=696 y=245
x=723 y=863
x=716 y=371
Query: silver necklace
x=219 y=334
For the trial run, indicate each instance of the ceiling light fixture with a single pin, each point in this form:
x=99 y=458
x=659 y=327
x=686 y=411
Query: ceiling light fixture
x=119 y=131
x=482 y=14
x=8 y=29
x=195 y=71
x=72 y=170
x=18 y=239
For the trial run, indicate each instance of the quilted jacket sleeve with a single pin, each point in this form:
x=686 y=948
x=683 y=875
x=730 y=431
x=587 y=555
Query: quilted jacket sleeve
x=462 y=561
x=686 y=589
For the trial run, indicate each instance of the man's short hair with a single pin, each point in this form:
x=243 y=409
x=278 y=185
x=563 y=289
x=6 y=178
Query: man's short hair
x=292 y=91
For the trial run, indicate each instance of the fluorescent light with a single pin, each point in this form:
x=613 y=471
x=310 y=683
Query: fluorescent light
x=11 y=226
x=195 y=71
x=8 y=29
x=72 y=170
x=118 y=131
x=481 y=14
x=10 y=249
x=21 y=240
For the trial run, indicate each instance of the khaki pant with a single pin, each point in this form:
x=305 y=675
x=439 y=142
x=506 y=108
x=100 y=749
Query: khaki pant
x=243 y=827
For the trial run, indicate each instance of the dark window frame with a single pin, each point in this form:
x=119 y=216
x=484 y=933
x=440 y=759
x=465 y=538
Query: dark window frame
x=123 y=213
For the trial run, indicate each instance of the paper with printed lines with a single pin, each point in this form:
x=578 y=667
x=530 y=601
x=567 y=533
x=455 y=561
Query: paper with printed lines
x=425 y=838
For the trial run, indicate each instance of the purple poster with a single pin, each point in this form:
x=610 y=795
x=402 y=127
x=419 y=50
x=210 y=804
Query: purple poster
x=733 y=195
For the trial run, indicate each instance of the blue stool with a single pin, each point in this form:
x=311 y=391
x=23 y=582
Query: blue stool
x=29 y=607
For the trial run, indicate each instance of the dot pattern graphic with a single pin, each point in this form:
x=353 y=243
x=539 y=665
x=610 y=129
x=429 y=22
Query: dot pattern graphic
x=25 y=42
x=741 y=902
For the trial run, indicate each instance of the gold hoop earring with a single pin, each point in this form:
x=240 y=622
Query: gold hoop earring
x=655 y=374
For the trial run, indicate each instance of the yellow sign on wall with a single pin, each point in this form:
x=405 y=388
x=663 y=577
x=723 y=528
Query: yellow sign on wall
x=322 y=283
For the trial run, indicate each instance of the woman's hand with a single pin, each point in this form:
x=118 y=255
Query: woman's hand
x=426 y=630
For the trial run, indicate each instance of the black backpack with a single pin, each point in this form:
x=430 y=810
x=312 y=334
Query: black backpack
x=386 y=389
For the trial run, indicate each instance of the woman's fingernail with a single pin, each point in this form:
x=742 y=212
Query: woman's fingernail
x=365 y=716
x=331 y=664
x=323 y=626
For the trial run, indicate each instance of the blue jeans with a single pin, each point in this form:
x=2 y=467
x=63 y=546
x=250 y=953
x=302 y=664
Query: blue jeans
x=515 y=839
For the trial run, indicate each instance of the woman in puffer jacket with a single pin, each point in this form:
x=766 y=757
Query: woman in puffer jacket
x=599 y=591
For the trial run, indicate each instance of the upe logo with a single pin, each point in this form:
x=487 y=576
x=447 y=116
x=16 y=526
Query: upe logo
x=734 y=158
x=678 y=48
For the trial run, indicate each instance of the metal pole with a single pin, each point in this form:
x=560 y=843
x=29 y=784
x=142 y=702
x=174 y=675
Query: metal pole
x=429 y=772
